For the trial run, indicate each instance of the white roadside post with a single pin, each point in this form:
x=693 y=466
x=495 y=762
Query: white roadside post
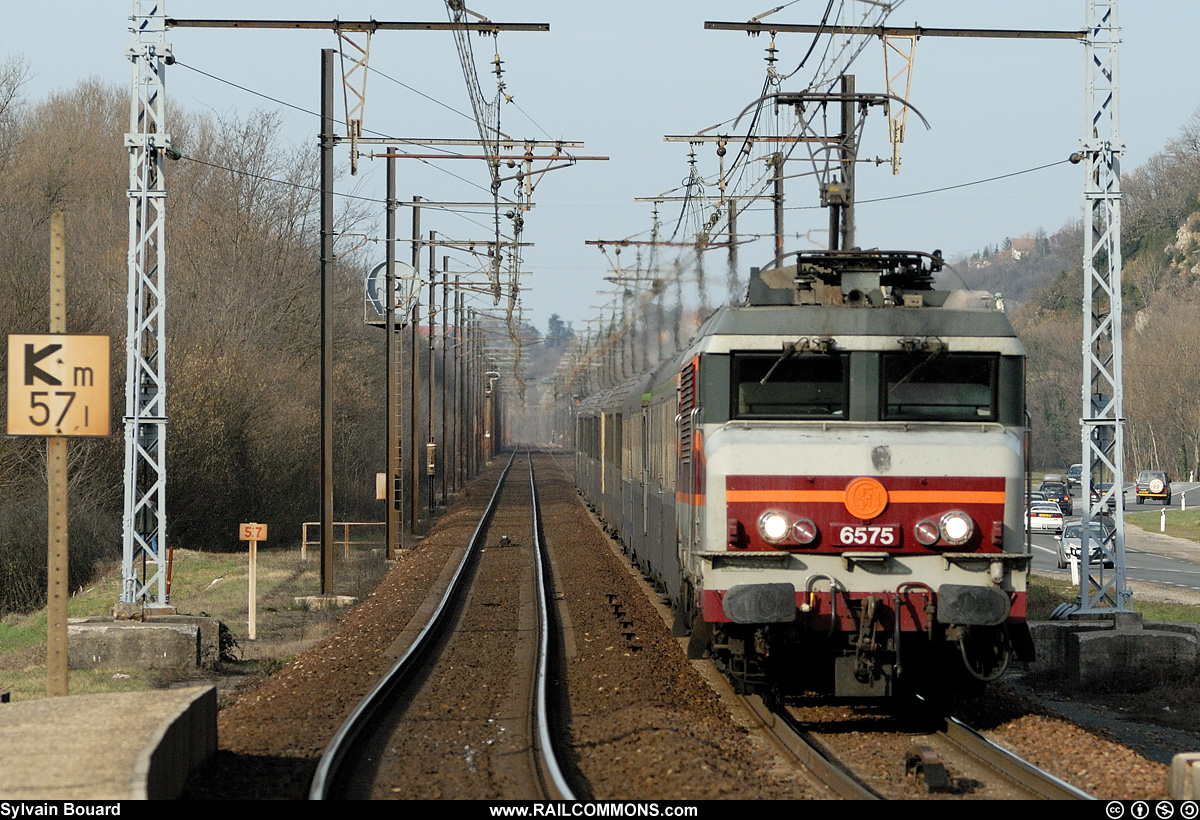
x=1162 y=520
x=253 y=533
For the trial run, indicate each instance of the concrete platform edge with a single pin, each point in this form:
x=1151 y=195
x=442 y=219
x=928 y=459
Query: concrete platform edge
x=181 y=743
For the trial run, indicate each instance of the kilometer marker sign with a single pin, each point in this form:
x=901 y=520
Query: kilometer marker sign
x=253 y=532
x=58 y=385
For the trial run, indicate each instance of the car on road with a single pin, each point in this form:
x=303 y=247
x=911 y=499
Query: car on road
x=1100 y=542
x=1098 y=491
x=1154 y=484
x=1037 y=496
x=1075 y=475
x=1057 y=491
x=1044 y=515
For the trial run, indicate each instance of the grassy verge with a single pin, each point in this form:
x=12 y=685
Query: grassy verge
x=1046 y=593
x=202 y=583
x=1180 y=523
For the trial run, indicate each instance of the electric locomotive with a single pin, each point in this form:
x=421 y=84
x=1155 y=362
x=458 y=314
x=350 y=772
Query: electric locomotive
x=828 y=482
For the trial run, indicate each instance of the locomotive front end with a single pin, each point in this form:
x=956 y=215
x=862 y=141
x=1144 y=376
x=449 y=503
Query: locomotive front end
x=856 y=529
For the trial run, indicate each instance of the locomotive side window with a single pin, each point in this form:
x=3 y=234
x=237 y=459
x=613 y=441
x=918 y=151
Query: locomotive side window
x=797 y=387
x=945 y=387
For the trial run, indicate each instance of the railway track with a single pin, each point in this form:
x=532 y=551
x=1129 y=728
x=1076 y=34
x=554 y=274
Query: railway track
x=953 y=761
x=643 y=721
x=878 y=760
x=473 y=688
x=1039 y=784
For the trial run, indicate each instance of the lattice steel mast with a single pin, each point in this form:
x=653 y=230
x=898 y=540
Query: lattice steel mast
x=145 y=516
x=1103 y=415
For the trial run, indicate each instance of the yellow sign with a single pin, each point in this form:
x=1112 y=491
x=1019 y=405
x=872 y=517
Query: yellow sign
x=252 y=532
x=58 y=385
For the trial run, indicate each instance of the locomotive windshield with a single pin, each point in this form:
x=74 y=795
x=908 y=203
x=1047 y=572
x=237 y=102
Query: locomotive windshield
x=796 y=387
x=945 y=387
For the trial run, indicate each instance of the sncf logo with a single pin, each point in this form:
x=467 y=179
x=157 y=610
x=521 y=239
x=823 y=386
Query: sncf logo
x=865 y=498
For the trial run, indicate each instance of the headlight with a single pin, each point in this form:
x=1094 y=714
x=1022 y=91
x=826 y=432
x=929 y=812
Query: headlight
x=956 y=527
x=774 y=526
x=926 y=533
x=804 y=531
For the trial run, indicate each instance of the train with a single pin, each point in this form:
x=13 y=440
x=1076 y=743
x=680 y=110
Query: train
x=828 y=483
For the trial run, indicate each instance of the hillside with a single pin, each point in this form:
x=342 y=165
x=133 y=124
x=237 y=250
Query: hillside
x=1018 y=267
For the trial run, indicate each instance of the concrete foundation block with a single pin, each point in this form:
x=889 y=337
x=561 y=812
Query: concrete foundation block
x=173 y=642
x=1055 y=642
x=1181 y=628
x=209 y=653
x=321 y=603
x=1104 y=657
x=1097 y=651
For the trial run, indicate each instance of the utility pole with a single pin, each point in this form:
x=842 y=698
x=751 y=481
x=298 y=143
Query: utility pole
x=393 y=386
x=431 y=444
x=445 y=372
x=414 y=401
x=849 y=154
x=327 y=143
x=777 y=165
x=459 y=339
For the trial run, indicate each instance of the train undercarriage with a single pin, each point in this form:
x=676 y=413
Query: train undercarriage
x=873 y=662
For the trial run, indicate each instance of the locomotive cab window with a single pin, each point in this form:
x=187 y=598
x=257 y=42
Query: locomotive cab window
x=939 y=387
x=795 y=387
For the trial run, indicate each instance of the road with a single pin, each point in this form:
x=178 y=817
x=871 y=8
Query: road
x=1150 y=556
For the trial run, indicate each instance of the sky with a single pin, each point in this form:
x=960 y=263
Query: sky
x=620 y=75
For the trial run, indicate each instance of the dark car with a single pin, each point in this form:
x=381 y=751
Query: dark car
x=1057 y=491
x=1098 y=491
x=1075 y=475
x=1152 y=484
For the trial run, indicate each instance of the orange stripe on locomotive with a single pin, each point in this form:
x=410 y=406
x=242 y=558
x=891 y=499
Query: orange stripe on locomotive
x=823 y=500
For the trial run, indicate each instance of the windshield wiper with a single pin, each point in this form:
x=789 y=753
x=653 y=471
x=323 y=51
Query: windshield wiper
x=801 y=345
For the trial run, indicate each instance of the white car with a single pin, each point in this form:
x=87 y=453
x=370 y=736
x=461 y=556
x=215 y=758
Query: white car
x=1070 y=541
x=1044 y=516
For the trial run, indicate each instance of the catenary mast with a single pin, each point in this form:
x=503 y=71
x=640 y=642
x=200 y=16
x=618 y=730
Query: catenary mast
x=1102 y=423
x=144 y=521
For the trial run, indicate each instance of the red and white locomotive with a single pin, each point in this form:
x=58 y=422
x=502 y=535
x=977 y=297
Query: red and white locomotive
x=828 y=482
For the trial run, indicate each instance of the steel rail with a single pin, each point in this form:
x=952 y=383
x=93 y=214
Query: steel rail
x=328 y=775
x=808 y=753
x=994 y=756
x=551 y=772
x=1027 y=777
